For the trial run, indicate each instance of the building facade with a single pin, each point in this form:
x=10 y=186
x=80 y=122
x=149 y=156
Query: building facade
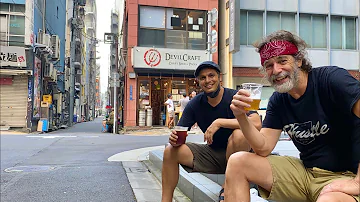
x=15 y=64
x=330 y=28
x=164 y=41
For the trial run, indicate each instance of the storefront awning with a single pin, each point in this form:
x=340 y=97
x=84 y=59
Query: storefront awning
x=14 y=72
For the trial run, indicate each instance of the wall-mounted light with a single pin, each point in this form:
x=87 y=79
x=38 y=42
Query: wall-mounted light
x=132 y=75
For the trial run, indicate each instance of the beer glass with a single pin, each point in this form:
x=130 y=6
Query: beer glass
x=255 y=94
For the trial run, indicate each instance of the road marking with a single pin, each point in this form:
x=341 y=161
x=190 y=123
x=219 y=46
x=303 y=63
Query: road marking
x=59 y=136
x=50 y=136
x=134 y=155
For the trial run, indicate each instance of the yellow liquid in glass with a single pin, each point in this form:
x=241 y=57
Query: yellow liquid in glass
x=254 y=105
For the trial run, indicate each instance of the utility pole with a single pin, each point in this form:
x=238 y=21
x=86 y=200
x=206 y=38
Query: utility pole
x=72 y=61
x=115 y=108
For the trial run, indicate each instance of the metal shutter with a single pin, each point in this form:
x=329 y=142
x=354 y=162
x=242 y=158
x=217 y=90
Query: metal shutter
x=13 y=102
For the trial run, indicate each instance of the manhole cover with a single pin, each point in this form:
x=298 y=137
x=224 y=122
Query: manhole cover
x=29 y=169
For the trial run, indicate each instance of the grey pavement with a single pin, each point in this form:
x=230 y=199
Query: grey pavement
x=73 y=164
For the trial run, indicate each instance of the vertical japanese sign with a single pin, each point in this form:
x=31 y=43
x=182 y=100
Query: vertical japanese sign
x=37 y=87
x=234 y=26
x=29 y=22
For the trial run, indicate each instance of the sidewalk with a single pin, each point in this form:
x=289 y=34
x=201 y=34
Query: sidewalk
x=156 y=131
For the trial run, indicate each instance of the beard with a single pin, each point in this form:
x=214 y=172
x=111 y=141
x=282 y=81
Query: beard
x=288 y=85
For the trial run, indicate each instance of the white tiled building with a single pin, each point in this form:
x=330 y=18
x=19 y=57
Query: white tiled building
x=330 y=27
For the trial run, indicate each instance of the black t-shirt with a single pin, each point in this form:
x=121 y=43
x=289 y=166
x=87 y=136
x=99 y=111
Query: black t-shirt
x=199 y=111
x=321 y=123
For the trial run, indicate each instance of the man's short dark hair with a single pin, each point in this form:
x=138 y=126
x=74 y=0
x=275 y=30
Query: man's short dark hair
x=169 y=95
x=184 y=95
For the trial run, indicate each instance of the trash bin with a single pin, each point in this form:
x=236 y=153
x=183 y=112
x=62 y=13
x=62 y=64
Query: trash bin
x=75 y=119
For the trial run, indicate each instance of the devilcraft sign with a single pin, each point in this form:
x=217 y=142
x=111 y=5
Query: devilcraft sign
x=165 y=58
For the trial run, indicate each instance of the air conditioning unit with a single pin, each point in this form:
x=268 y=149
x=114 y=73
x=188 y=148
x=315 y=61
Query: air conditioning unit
x=48 y=70
x=54 y=75
x=47 y=40
x=40 y=37
x=55 y=47
x=78 y=72
x=44 y=39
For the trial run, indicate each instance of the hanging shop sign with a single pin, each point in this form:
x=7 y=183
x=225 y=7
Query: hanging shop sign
x=165 y=58
x=12 y=56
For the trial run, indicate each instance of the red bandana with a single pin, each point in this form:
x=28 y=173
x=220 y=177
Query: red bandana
x=276 y=48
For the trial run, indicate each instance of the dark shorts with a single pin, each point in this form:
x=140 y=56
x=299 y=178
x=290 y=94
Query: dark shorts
x=207 y=159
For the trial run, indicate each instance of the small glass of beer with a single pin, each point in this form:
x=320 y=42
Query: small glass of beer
x=181 y=132
x=255 y=94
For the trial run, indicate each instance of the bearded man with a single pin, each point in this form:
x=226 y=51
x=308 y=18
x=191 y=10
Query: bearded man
x=211 y=110
x=319 y=108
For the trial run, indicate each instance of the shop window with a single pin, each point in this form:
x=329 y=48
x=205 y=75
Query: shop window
x=144 y=93
x=313 y=30
x=16 y=41
x=151 y=38
x=17 y=25
x=178 y=88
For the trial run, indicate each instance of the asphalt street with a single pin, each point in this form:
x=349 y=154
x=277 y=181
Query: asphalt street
x=69 y=165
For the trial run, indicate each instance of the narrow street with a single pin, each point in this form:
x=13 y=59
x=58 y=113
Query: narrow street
x=68 y=165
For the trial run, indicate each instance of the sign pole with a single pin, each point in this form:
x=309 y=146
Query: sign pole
x=115 y=114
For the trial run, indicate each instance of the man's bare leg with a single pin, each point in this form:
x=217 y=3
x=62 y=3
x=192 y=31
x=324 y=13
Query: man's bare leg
x=243 y=168
x=173 y=156
x=335 y=197
x=236 y=142
x=170 y=122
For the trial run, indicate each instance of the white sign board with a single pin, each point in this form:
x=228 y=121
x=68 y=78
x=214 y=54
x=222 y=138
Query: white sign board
x=12 y=56
x=234 y=26
x=165 y=58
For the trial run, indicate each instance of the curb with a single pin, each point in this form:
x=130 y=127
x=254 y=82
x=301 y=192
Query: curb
x=178 y=195
x=195 y=186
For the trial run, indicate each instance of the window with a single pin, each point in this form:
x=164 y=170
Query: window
x=57 y=12
x=12 y=30
x=343 y=32
x=17 y=25
x=313 y=30
x=172 y=28
x=277 y=21
x=251 y=26
x=153 y=17
x=4 y=7
x=17 y=8
x=151 y=38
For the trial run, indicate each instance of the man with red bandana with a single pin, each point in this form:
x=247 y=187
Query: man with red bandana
x=320 y=109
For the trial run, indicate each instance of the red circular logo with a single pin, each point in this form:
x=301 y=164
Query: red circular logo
x=152 y=57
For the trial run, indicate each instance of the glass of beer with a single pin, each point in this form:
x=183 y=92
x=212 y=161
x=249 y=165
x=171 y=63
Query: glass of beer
x=181 y=132
x=255 y=94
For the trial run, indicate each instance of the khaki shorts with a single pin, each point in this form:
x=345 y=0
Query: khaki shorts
x=171 y=114
x=206 y=159
x=293 y=182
